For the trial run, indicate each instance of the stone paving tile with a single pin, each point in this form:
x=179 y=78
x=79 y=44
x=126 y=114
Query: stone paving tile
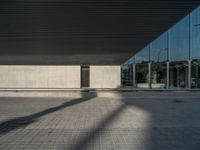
x=97 y=123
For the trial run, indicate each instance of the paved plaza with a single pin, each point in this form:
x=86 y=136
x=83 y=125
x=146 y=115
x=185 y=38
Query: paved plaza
x=142 y=121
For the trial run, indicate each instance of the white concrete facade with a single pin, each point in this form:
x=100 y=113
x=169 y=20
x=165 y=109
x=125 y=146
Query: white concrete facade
x=40 y=76
x=31 y=76
x=105 y=76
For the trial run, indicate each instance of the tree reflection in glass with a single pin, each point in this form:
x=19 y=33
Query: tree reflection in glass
x=141 y=76
x=158 y=75
x=179 y=75
x=195 y=74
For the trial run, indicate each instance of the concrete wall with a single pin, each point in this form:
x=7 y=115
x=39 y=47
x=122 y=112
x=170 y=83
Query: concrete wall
x=105 y=76
x=22 y=76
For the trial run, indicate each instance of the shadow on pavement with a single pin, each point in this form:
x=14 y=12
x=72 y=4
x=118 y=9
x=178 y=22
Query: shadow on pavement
x=84 y=142
x=20 y=122
x=170 y=124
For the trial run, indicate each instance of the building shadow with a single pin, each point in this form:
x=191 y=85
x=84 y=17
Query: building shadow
x=19 y=122
x=173 y=123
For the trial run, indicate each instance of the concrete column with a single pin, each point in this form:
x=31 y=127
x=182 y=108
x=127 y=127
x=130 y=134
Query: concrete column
x=189 y=73
x=149 y=74
x=134 y=76
x=167 y=84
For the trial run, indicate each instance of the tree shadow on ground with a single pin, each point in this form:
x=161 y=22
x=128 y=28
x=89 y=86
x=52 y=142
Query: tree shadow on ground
x=19 y=122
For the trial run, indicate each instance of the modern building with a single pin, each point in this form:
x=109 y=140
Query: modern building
x=82 y=44
x=170 y=61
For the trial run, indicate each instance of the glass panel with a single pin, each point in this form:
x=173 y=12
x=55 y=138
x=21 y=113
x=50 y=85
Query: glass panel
x=159 y=49
x=130 y=61
x=195 y=34
x=179 y=41
x=158 y=75
x=141 y=76
x=195 y=74
x=142 y=56
x=179 y=75
x=127 y=75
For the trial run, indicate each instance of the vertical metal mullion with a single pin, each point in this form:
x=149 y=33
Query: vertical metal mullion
x=168 y=45
x=167 y=63
x=168 y=59
x=150 y=45
x=134 y=76
x=149 y=76
x=190 y=35
x=189 y=61
x=149 y=65
x=189 y=74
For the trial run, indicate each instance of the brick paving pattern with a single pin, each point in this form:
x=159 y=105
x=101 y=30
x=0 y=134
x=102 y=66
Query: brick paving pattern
x=98 y=123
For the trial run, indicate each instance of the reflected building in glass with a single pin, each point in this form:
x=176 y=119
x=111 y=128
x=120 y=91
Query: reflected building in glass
x=170 y=61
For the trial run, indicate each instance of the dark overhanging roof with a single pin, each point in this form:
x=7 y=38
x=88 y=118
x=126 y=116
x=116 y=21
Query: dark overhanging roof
x=75 y=32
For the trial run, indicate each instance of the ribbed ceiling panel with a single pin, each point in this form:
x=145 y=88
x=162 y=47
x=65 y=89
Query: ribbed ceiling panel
x=83 y=32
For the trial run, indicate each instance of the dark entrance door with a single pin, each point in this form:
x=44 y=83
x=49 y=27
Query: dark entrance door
x=85 y=76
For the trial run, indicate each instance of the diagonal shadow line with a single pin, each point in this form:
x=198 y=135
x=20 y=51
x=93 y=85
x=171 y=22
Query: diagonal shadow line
x=85 y=141
x=19 y=122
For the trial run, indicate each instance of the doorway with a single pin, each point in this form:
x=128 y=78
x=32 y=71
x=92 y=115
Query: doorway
x=85 y=76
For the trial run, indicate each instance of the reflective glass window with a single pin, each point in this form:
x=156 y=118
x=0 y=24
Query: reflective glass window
x=127 y=75
x=179 y=75
x=179 y=41
x=142 y=56
x=195 y=74
x=159 y=49
x=195 y=34
x=158 y=75
x=130 y=61
x=141 y=75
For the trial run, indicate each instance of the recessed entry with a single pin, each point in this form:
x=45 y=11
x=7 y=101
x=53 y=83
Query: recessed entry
x=85 y=76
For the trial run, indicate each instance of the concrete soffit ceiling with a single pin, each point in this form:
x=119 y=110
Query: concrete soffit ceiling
x=79 y=32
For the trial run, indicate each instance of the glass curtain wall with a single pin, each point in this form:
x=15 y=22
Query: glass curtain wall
x=195 y=74
x=159 y=57
x=179 y=75
x=141 y=75
x=158 y=75
x=179 y=41
x=195 y=48
x=195 y=33
x=141 y=68
x=173 y=59
x=127 y=75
